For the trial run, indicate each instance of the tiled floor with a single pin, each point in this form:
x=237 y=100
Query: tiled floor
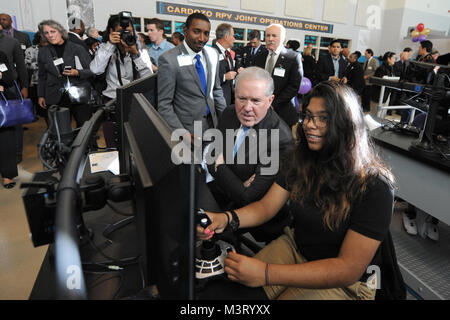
x=19 y=260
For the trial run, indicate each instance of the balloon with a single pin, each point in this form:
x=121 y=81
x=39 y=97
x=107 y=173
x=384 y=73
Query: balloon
x=415 y=39
x=415 y=34
x=420 y=27
x=305 y=86
x=422 y=38
x=426 y=31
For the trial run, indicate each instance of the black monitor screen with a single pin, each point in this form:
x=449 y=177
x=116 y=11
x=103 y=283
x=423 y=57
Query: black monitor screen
x=164 y=202
x=148 y=87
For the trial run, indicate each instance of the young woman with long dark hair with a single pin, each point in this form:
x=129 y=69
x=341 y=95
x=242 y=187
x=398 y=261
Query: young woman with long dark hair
x=341 y=197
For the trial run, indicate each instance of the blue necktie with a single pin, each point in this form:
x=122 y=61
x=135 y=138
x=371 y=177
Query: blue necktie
x=239 y=141
x=202 y=76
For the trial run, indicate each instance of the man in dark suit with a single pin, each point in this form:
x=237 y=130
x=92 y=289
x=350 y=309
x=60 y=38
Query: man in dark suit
x=188 y=80
x=254 y=49
x=286 y=69
x=22 y=37
x=241 y=173
x=76 y=32
x=332 y=66
x=354 y=74
x=225 y=41
x=401 y=65
x=14 y=44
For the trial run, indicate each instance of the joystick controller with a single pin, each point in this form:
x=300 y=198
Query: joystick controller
x=211 y=254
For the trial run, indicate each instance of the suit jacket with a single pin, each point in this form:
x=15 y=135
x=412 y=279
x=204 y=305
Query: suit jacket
x=369 y=68
x=181 y=99
x=11 y=47
x=78 y=41
x=248 y=59
x=355 y=77
x=287 y=86
x=7 y=79
x=50 y=81
x=23 y=39
x=227 y=85
x=229 y=178
x=325 y=67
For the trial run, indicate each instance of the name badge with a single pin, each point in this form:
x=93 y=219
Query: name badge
x=184 y=60
x=3 y=67
x=57 y=62
x=24 y=47
x=279 y=72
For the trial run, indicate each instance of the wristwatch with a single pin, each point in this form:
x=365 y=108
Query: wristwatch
x=234 y=223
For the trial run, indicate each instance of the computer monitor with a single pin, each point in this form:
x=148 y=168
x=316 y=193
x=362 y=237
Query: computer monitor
x=164 y=202
x=148 y=87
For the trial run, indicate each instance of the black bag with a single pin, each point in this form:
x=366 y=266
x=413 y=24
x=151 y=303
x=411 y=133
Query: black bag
x=392 y=284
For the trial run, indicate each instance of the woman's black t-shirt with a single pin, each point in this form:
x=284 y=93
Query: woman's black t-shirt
x=370 y=216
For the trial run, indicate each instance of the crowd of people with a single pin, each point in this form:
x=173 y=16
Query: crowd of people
x=336 y=194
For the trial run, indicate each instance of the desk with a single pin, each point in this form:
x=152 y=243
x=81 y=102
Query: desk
x=425 y=183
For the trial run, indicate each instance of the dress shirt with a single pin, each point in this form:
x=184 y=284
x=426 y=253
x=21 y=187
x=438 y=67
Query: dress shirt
x=192 y=54
x=155 y=51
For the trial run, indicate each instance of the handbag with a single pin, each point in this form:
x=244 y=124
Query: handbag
x=14 y=112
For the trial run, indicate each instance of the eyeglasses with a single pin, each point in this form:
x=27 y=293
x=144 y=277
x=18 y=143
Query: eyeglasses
x=319 y=121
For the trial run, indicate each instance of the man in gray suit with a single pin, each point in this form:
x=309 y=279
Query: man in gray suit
x=188 y=79
x=370 y=66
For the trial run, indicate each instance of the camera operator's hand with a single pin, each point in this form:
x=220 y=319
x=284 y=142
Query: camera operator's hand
x=114 y=37
x=130 y=49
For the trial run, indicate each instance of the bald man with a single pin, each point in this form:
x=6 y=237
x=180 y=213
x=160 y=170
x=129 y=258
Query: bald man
x=286 y=69
x=22 y=37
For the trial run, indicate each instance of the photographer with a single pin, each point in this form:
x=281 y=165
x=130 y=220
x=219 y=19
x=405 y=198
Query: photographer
x=121 y=59
x=121 y=56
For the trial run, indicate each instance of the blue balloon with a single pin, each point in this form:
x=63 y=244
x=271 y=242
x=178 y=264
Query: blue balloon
x=305 y=86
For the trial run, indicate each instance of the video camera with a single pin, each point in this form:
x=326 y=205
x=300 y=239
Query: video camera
x=125 y=19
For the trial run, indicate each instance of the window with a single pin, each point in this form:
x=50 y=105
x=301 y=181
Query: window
x=311 y=39
x=137 y=24
x=325 y=42
x=263 y=34
x=239 y=33
x=320 y=44
x=167 y=26
x=179 y=27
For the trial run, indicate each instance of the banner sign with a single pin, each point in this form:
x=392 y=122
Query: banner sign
x=233 y=16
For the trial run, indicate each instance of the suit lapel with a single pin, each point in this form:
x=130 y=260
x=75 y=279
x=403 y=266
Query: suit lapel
x=191 y=68
x=211 y=71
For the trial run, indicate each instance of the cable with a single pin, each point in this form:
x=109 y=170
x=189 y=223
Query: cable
x=114 y=260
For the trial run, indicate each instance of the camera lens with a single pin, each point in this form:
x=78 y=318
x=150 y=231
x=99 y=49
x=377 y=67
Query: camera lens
x=128 y=38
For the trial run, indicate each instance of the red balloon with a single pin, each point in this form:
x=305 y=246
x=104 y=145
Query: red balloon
x=420 y=27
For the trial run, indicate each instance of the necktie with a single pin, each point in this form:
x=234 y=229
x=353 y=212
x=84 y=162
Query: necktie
x=202 y=76
x=230 y=60
x=239 y=141
x=271 y=63
x=253 y=51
